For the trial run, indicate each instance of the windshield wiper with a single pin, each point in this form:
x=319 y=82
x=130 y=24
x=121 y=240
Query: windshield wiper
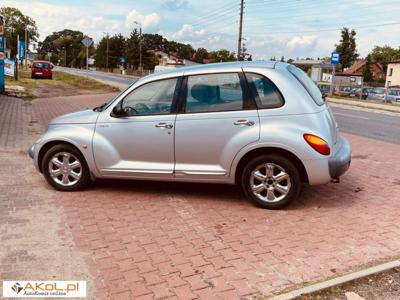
x=101 y=107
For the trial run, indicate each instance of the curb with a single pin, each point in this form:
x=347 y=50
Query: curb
x=336 y=281
x=367 y=106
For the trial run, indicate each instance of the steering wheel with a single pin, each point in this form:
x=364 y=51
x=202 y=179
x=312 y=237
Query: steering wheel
x=130 y=111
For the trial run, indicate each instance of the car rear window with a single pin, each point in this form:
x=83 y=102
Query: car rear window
x=378 y=91
x=308 y=84
x=41 y=65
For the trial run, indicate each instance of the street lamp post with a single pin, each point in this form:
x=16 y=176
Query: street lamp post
x=140 y=45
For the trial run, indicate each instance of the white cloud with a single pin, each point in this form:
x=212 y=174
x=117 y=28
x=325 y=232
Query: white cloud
x=301 y=41
x=147 y=21
x=187 y=32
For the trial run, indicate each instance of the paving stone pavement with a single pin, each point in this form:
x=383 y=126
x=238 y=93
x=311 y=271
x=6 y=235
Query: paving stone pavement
x=151 y=240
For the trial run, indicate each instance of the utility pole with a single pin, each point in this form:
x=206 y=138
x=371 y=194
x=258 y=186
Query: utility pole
x=107 y=48
x=239 y=54
x=140 y=45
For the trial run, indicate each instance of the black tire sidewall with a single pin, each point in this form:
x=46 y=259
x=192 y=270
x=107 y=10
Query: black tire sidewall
x=290 y=168
x=83 y=181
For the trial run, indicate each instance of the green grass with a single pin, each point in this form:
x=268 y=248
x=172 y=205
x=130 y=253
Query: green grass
x=60 y=81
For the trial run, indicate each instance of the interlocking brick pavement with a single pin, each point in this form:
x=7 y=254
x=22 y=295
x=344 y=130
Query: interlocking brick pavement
x=152 y=240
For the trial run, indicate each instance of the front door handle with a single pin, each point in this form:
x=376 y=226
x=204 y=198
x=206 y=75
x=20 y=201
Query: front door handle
x=244 y=123
x=164 y=125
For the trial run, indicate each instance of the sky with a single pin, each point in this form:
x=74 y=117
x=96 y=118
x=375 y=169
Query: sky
x=289 y=28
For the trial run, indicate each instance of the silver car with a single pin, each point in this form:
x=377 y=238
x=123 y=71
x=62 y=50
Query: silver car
x=262 y=125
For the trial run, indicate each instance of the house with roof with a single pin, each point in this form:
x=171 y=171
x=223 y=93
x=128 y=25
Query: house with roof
x=357 y=69
x=393 y=74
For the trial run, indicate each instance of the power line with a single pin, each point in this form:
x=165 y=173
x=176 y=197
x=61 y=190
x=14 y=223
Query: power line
x=330 y=29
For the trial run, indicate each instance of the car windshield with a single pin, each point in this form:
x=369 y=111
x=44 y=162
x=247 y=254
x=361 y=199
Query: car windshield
x=308 y=84
x=378 y=91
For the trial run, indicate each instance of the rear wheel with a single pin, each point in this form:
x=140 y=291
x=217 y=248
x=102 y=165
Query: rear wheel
x=271 y=181
x=65 y=168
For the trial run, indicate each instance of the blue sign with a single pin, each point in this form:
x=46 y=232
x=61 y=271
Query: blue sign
x=2 y=64
x=1 y=76
x=21 y=50
x=122 y=60
x=335 y=58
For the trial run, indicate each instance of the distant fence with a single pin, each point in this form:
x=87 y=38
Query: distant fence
x=126 y=72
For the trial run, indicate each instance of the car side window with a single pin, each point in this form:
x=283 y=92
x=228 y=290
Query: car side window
x=264 y=91
x=214 y=93
x=154 y=98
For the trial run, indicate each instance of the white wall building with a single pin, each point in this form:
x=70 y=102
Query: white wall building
x=393 y=74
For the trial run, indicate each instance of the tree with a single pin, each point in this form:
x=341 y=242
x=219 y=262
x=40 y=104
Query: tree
x=222 y=55
x=200 y=55
x=15 y=23
x=347 y=48
x=65 y=48
x=384 y=55
x=367 y=74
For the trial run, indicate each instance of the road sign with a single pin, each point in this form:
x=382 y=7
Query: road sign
x=87 y=41
x=21 y=50
x=335 y=58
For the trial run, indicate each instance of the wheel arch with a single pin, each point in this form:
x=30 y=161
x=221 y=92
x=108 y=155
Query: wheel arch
x=270 y=150
x=51 y=144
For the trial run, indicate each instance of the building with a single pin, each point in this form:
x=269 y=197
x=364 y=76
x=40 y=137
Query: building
x=393 y=74
x=171 y=60
x=358 y=67
x=320 y=71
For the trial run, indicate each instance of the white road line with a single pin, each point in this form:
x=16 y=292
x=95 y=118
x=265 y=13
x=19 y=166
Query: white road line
x=351 y=116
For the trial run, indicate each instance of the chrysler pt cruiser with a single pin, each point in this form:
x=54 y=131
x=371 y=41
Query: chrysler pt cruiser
x=262 y=125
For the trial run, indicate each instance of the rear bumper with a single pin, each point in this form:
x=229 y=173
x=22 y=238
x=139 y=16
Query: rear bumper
x=340 y=162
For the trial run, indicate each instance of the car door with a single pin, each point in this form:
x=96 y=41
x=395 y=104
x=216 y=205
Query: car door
x=140 y=144
x=218 y=119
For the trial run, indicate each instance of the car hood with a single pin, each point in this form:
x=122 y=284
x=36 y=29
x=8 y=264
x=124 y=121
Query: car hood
x=80 y=117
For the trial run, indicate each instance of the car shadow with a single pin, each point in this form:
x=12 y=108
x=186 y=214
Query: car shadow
x=311 y=197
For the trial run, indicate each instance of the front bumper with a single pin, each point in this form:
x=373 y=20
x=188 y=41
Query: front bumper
x=31 y=151
x=340 y=162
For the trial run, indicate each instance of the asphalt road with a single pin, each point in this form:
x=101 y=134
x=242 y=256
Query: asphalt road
x=373 y=125
x=120 y=81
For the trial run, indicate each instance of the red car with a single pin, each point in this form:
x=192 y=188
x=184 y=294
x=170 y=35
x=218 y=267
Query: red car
x=42 y=69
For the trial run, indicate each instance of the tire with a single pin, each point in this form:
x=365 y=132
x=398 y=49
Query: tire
x=67 y=177
x=271 y=194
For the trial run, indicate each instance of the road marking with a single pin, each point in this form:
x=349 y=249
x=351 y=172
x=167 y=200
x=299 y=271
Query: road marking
x=351 y=116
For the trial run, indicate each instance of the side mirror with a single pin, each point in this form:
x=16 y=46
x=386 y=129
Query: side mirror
x=118 y=111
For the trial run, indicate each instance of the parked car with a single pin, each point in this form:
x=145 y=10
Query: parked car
x=342 y=91
x=393 y=94
x=42 y=69
x=363 y=92
x=262 y=125
x=378 y=93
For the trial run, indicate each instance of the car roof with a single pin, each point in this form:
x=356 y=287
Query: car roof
x=41 y=61
x=215 y=67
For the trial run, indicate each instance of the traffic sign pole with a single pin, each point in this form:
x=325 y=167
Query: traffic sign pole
x=2 y=46
x=335 y=60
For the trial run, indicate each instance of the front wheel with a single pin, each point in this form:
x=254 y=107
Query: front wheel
x=271 y=181
x=65 y=168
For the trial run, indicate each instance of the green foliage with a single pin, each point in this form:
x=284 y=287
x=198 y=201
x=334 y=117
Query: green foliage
x=65 y=48
x=200 y=55
x=347 y=47
x=367 y=74
x=384 y=55
x=116 y=49
x=222 y=55
x=15 y=24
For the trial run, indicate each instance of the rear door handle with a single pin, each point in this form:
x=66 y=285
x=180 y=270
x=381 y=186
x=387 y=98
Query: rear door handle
x=244 y=123
x=164 y=125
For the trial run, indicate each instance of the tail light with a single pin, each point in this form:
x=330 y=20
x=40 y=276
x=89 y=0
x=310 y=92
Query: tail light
x=317 y=143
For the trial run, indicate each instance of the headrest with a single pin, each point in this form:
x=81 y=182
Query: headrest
x=204 y=93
